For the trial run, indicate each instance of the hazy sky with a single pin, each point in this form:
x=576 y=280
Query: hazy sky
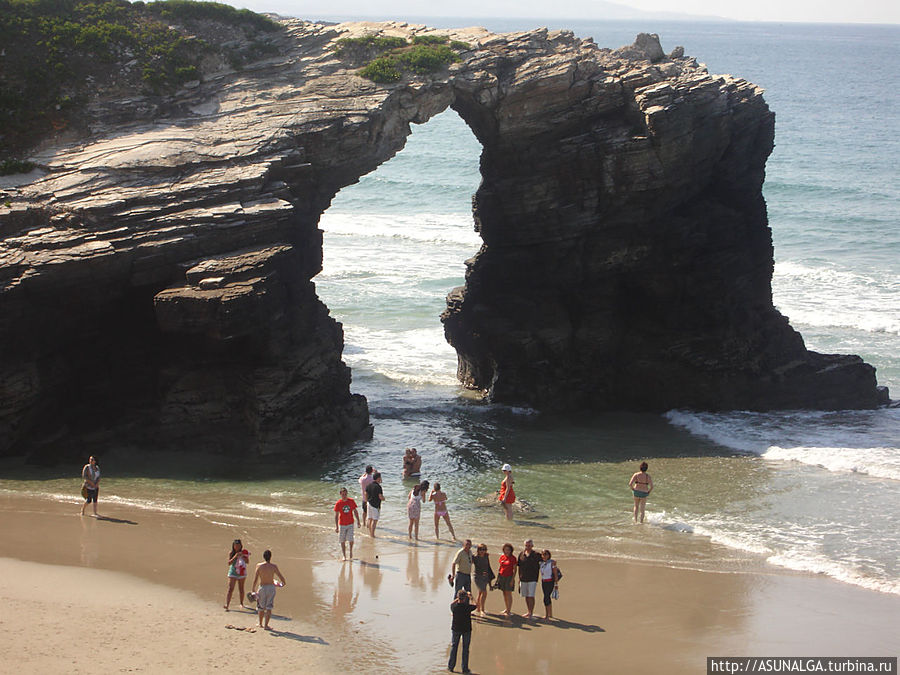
x=813 y=11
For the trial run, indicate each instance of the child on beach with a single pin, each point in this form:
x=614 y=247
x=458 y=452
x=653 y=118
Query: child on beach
x=440 y=510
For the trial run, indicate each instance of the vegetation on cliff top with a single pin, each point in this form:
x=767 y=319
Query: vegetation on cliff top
x=395 y=56
x=57 y=53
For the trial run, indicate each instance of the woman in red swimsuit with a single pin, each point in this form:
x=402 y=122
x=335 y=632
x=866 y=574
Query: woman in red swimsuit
x=507 y=494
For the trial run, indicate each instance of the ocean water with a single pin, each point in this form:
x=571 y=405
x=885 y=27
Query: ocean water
x=797 y=491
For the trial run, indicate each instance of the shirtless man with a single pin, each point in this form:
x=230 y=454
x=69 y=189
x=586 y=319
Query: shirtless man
x=412 y=463
x=440 y=510
x=265 y=580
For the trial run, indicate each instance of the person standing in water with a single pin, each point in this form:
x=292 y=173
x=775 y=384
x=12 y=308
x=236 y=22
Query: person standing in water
x=414 y=509
x=507 y=495
x=440 y=510
x=364 y=481
x=90 y=487
x=344 y=512
x=412 y=464
x=375 y=497
x=641 y=486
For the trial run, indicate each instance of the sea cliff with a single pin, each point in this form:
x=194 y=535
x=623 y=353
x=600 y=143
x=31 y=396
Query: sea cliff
x=157 y=265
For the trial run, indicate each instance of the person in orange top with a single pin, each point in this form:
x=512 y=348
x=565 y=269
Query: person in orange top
x=507 y=495
x=344 y=512
x=506 y=580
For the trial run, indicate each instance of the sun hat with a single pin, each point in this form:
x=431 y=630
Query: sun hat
x=506 y=467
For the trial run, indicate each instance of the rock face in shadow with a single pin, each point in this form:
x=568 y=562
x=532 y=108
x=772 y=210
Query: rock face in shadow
x=156 y=277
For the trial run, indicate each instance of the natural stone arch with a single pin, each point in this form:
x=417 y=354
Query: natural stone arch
x=626 y=261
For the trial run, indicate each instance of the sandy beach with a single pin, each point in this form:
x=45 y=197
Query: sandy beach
x=141 y=590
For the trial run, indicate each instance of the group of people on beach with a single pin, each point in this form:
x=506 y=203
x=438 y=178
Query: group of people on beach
x=534 y=570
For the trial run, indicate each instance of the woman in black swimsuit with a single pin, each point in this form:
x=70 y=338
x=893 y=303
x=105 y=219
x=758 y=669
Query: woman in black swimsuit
x=641 y=486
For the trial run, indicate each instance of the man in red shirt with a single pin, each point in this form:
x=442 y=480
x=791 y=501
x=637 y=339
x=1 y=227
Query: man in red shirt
x=344 y=512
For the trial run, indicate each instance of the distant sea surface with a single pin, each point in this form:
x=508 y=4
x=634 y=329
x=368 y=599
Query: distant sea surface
x=805 y=491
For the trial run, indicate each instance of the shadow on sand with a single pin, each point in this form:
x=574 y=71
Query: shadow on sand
x=312 y=639
x=120 y=521
x=516 y=621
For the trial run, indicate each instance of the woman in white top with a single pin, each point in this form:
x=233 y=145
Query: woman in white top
x=90 y=488
x=414 y=508
x=549 y=581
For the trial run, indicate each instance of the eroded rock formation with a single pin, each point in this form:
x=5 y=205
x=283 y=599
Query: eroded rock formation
x=156 y=277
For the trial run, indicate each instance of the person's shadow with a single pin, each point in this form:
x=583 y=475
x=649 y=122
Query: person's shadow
x=312 y=639
x=120 y=521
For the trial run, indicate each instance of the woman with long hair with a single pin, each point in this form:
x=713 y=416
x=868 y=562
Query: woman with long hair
x=440 y=510
x=237 y=571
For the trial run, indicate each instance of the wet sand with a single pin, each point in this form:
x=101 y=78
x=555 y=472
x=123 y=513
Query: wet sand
x=143 y=590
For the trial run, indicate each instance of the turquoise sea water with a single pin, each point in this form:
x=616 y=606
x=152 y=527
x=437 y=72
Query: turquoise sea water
x=808 y=491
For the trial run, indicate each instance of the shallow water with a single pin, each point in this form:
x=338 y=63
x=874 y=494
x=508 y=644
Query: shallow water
x=809 y=491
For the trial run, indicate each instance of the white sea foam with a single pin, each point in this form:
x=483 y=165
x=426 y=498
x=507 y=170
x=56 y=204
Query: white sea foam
x=279 y=509
x=718 y=529
x=420 y=356
x=803 y=561
x=440 y=228
x=877 y=462
x=729 y=430
x=829 y=297
x=767 y=541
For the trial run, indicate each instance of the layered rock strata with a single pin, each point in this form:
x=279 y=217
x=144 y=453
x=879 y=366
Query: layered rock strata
x=156 y=277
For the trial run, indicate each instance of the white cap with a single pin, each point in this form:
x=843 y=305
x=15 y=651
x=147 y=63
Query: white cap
x=506 y=467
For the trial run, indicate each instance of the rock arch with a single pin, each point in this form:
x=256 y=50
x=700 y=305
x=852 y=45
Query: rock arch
x=157 y=279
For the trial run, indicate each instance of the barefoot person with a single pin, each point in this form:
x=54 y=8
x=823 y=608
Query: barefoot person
x=549 y=582
x=529 y=573
x=344 y=512
x=483 y=576
x=414 y=509
x=90 y=487
x=440 y=510
x=461 y=628
x=507 y=495
x=238 y=558
x=364 y=481
x=265 y=581
x=506 y=579
x=375 y=497
x=641 y=486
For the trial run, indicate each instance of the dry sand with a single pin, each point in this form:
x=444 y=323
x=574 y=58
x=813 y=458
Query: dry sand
x=143 y=591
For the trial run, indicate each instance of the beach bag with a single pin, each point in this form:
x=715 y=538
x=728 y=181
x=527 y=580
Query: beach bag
x=84 y=491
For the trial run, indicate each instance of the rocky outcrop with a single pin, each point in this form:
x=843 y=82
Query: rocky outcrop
x=156 y=276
